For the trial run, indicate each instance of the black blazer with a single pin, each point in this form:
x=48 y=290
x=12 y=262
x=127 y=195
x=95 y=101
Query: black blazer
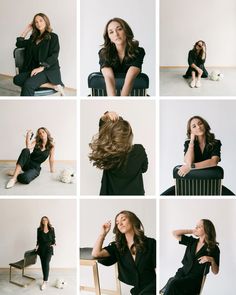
x=48 y=56
x=45 y=241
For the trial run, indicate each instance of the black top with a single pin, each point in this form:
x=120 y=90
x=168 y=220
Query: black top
x=38 y=156
x=45 y=241
x=194 y=58
x=48 y=51
x=208 y=152
x=122 y=67
x=191 y=266
x=139 y=272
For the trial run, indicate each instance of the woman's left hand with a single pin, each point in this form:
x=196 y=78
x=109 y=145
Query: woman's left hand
x=205 y=259
x=36 y=71
x=184 y=170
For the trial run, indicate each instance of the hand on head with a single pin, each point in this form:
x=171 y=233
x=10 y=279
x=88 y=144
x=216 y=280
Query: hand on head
x=106 y=227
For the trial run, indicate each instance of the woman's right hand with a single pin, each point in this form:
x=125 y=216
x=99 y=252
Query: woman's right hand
x=192 y=137
x=28 y=29
x=106 y=228
x=28 y=133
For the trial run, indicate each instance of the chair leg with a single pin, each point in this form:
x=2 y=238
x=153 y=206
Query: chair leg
x=23 y=275
x=96 y=279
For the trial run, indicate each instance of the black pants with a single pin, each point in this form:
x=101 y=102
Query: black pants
x=30 y=172
x=171 y=191
x=148 y=289
x=45 y=260
x=182 y=286
x=29 y=84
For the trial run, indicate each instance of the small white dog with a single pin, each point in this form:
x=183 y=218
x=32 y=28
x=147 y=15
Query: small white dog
x=216 y=75
x=67 y=176
x=60 y=284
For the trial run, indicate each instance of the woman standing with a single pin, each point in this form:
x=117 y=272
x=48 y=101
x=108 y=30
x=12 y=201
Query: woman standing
x=43 y=147
x=202 y=253
x=122 y=162
x=44 y=247
x=196 y=60
x=41 y=67
x=132 y=250
x=120 y=54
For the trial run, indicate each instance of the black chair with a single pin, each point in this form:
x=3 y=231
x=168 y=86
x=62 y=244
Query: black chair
x=199 y=182
x=30 y=258
x=19 y=55
x=86 y=259
x=98 y=87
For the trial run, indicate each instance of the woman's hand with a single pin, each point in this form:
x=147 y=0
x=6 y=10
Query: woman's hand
x=205 y=259
x=36 y=71
x=106 y=228
x=36 y=248
x=192 y=137
x=28 y=134
x=112 y=116
x=28 y=29
x=184 y=170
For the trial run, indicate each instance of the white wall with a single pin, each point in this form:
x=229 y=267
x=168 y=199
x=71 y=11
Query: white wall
x=141 y=116
x=18 y=116
x=184 y=22
x=19 y=221
x=182 y=214
x=15 y=15
x=174 y=114
x=139 y=14
x=94 y=213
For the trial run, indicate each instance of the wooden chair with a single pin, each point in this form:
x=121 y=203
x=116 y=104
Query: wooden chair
x=198 y=182
x=30 y=258
x=97 y=84
x=86 y=259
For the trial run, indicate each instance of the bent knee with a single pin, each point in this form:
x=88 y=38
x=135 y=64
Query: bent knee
x=18 y=81
x=22 y=178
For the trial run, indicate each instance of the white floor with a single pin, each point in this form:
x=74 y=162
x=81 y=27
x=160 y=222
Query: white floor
x=172 y=83
x=45 y=184
x=68 y=275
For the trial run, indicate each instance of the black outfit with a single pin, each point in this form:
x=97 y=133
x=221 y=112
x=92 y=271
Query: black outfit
x=194 y=58
x=30 y=163
x=122 y=67
x=140 y=272
x=45 y=249
x=45 y=54
x=188 y=279
x=199 y=156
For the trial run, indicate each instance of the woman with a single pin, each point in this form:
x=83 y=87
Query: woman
x=196 y=60
x=201 y=150
x=202 y=253
x=132 y=250
x=120 y=54
x=44 y=247
x=43 y=147
x=41 y=67
x=122 y=162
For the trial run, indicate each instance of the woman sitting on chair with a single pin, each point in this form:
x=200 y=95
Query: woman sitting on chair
x=41 y=67
x=201 y=254
x=132 y=250
x=201 y=150
x=120 y=54
x=43 y=147
x=122 y=162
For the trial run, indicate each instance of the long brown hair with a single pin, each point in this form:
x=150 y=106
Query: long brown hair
x=210 y=137
x=200 y=53
x=41 y=226
x=110 y=147
x=138 y=229
x=49 y=144
x=210 y=234
x=36 y=33
x=109 y=52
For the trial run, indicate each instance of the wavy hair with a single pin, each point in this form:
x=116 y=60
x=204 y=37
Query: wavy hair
x=138 y=229
x=110 y=147
x=49 y=144
x=210 y=234
x=41 y=226
x=210 y=137
x=109 y=52
x=36 y=33
x=200 y=53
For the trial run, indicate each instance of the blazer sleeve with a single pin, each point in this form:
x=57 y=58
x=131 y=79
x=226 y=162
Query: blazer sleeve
x=145 y=161
x=22 y=42
x=37 y=243
x=138 y=60
x=53 y=237
x=53 y=52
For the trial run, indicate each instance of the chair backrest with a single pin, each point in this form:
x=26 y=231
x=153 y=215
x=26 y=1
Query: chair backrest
x=19 y=55
x=98 y=87
x=199 y=182
x=30 y=258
